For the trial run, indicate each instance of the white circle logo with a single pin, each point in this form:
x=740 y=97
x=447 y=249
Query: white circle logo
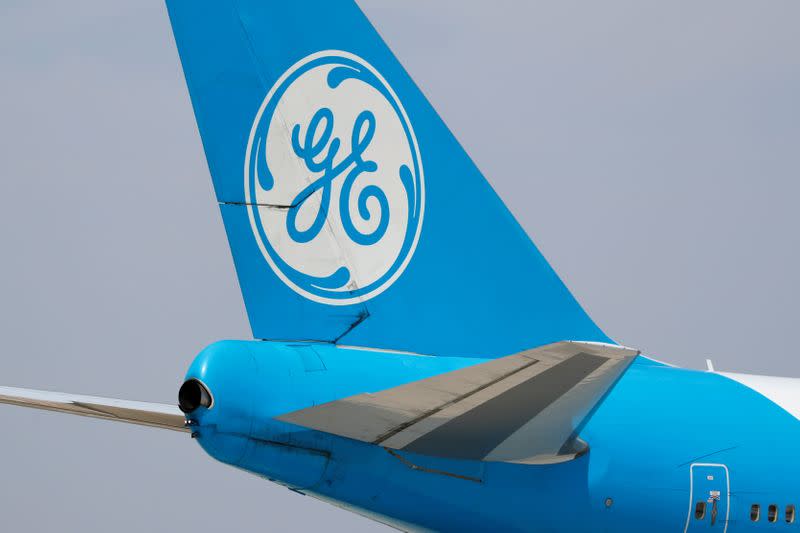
x=333 y=180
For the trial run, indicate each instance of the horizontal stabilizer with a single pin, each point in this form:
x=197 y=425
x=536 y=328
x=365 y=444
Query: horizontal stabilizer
x=523 y=408
x=145 y=414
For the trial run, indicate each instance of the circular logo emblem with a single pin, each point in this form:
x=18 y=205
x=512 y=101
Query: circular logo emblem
x=333 y=180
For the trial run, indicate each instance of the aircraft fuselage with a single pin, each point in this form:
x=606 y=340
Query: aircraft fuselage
x=670 y=449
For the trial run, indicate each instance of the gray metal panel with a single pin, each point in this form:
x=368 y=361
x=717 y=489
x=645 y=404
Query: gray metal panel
x=145 y=414
x=541 y=439
x=477 y=432
x=521 y=408
x=373 y=417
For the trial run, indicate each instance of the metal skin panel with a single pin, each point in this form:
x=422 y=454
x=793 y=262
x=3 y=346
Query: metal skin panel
x=535 y=441
x=471 y=284
x=783 y=391
x=487 y=426
x=145 y=414
x=484 y=412
x=710 y=486
x=327 y=323
x=645 y=433
x=372 y=417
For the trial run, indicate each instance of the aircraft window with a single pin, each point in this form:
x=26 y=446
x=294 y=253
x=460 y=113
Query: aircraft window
x=755 y=512
x=772 y=515
x=700 y=510
x=790 y=514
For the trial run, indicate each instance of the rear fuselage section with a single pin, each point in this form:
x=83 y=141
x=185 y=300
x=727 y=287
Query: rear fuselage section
x=663 y=440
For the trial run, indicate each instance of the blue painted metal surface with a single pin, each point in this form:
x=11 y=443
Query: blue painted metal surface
x=475 y=285
x=709 y=498
x=656 y=423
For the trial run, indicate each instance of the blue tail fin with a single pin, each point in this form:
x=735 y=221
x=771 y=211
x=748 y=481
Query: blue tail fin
x=353 y=214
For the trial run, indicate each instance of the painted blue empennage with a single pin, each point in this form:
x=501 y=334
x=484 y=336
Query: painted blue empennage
x=273 y=309
x=225 y=80
x=234 y=51
x=469 y=291
x=644 y=437
x=474 y=283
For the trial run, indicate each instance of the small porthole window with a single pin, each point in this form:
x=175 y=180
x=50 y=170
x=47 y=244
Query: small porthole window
x=790 y=512
x=772 y=514
x=700 y=510
x=755 y=512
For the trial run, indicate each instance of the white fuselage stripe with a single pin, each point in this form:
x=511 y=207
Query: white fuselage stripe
x=784 y=392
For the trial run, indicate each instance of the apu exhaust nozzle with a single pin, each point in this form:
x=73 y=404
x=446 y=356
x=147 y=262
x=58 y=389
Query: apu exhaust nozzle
x=193 y=394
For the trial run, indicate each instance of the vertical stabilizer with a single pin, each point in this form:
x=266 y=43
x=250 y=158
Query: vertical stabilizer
x=352 y=212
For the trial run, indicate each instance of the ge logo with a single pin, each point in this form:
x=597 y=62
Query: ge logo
x=333 y=180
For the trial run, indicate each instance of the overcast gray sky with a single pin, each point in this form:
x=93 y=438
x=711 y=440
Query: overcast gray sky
x=661 y=148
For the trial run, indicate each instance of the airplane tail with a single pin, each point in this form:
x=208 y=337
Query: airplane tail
x=353 y=214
